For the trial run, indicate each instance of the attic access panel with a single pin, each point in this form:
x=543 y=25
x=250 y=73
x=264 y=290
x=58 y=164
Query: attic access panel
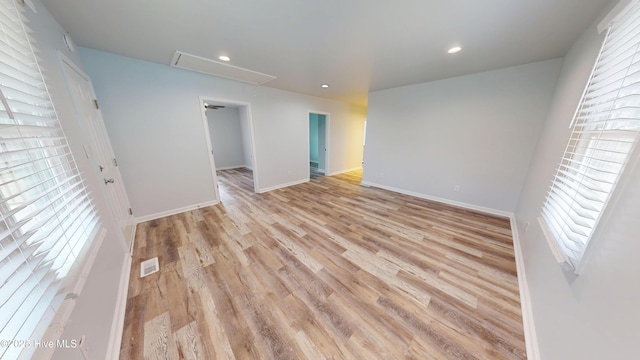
x=199 y=64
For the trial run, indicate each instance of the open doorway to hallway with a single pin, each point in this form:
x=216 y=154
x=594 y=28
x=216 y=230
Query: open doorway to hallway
x=229 y=134
x=317 y=144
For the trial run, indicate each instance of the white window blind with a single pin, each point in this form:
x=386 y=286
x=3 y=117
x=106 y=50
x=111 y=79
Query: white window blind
x=48 y=218
x=604 y=132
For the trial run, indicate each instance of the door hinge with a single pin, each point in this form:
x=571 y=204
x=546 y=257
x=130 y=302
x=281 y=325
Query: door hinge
x=130 y=211
x=115 y=162
x=95 y=102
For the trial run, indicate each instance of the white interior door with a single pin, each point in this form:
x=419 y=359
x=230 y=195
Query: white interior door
x=100 y=150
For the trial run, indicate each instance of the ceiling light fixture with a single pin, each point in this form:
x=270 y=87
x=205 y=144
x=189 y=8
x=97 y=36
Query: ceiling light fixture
x=325 y=85
x=224 y=58
x=455 y=49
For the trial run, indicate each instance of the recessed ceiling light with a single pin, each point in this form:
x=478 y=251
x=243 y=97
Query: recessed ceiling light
x=224 y=58
x=454 y=50
x=325 y=85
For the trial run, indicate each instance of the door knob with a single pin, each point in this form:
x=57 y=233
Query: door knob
x=110 y=181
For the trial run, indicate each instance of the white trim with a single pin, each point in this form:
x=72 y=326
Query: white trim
x=551 y=241
x=63 y=61
x=346 y=171
x=117 y=326
x=130 y=235
x=530 y=336
x=297 y=182
x=175 y=211
x=441 y=200
x=246 y=106
x=207 y=137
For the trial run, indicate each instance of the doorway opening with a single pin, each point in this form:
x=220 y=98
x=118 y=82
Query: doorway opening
x=318 y=125
x=229 y=133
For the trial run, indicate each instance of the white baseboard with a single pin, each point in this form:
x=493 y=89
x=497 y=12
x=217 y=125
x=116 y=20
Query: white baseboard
x=345 y=171
x=117 y=326
x=297 y=182
x=130 y=234
x=442 y=200
x=175 y=211
x=530 y=337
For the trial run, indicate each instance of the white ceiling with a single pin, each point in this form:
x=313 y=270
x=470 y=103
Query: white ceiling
x=356 y=46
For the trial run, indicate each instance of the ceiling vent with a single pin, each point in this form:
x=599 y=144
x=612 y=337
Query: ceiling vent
x=207 y=66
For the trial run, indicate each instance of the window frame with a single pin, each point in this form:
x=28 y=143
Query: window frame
x=38 y=174
x=592 y=138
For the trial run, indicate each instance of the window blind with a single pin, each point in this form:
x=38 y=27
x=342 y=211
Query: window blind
x=48 y=217
x=604 y=132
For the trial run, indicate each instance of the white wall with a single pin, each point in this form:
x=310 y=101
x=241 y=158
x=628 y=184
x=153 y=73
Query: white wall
x=476 y=131
x=345 y=141
x=594 y=315
x=226 y=137
x=245 y=129
x=95 y=308
x=154 y=119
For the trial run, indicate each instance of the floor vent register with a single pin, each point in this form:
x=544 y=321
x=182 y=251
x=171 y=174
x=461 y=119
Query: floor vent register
x=148 y=267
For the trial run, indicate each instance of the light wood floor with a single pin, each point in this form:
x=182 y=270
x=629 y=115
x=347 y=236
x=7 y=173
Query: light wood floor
x=324 y=270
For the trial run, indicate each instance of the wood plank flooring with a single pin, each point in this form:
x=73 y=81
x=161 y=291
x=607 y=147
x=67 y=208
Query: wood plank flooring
x=324 y=270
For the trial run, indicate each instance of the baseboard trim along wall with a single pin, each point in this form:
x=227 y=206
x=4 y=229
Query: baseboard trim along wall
x=297 y=182
x=441 y=200
x=117 y=327
x=175 y=211
x=344 y=171
x=530 y=337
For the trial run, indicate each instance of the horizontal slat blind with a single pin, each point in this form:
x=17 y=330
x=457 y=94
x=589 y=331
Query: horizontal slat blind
x=605 y=130
x=47 y=215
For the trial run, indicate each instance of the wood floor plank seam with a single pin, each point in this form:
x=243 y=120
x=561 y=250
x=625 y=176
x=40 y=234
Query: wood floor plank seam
x=326 y=269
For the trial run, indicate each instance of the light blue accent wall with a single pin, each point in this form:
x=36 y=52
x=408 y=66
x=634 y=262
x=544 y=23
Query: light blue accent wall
x=322 y=143
x=313 y=137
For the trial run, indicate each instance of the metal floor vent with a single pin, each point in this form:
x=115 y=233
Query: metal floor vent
x=148 y=267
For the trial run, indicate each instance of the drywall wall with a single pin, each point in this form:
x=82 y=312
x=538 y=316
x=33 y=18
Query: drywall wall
x=477 y=132
x=245 y=129
x=162 y=149
x=594 y=315
x=226 y=137
x=95 y=308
